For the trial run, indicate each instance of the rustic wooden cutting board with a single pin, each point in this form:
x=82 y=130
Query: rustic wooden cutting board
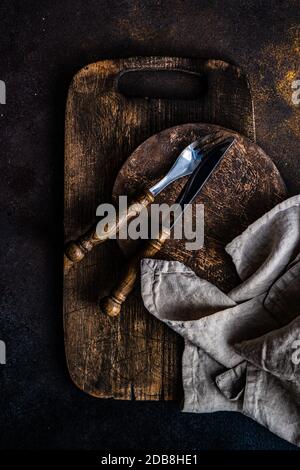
x=113 y=106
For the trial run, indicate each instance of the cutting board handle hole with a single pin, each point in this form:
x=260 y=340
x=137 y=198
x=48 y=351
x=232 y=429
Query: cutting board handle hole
x=162 y=84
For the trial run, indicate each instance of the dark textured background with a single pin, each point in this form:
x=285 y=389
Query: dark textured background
x=42 y=45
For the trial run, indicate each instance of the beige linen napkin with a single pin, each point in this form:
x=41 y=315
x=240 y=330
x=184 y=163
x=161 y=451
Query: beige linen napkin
x=241 y=348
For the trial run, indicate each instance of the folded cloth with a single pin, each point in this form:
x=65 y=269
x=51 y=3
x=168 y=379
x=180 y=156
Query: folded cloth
x=242 y=349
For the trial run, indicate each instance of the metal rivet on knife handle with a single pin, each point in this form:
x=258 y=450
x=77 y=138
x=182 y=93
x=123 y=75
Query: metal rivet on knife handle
x=76 y=250
x=111 y=305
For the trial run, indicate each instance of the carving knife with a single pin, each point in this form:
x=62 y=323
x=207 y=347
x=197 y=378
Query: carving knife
x=111 y=305
x=185 y=165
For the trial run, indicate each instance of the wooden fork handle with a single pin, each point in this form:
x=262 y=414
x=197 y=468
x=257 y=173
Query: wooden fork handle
x=111 y=305
x=76 y=250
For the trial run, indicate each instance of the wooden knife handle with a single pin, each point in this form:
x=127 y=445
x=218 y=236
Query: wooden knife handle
x=76 y=250
x=111 y=305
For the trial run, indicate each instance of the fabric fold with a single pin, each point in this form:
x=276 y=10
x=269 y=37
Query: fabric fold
x=265 y=248
x=242 y=349
x=277 y=352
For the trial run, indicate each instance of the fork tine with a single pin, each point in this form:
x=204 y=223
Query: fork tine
x=207 y=138
x=212 y=140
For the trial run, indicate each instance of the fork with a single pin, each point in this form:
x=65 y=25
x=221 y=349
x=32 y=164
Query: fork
x=185 y=164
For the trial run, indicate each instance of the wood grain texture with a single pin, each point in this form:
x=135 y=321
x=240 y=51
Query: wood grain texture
x=112 y=304
x=132 y=356
x=75 y=250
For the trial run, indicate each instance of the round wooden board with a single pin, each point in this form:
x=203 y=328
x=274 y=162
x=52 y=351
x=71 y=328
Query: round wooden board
x=244 y=186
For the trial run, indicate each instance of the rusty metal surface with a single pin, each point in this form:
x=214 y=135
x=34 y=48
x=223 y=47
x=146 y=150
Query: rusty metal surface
x=43 y=44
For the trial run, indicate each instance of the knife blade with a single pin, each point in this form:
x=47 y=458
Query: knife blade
x=202 y=174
